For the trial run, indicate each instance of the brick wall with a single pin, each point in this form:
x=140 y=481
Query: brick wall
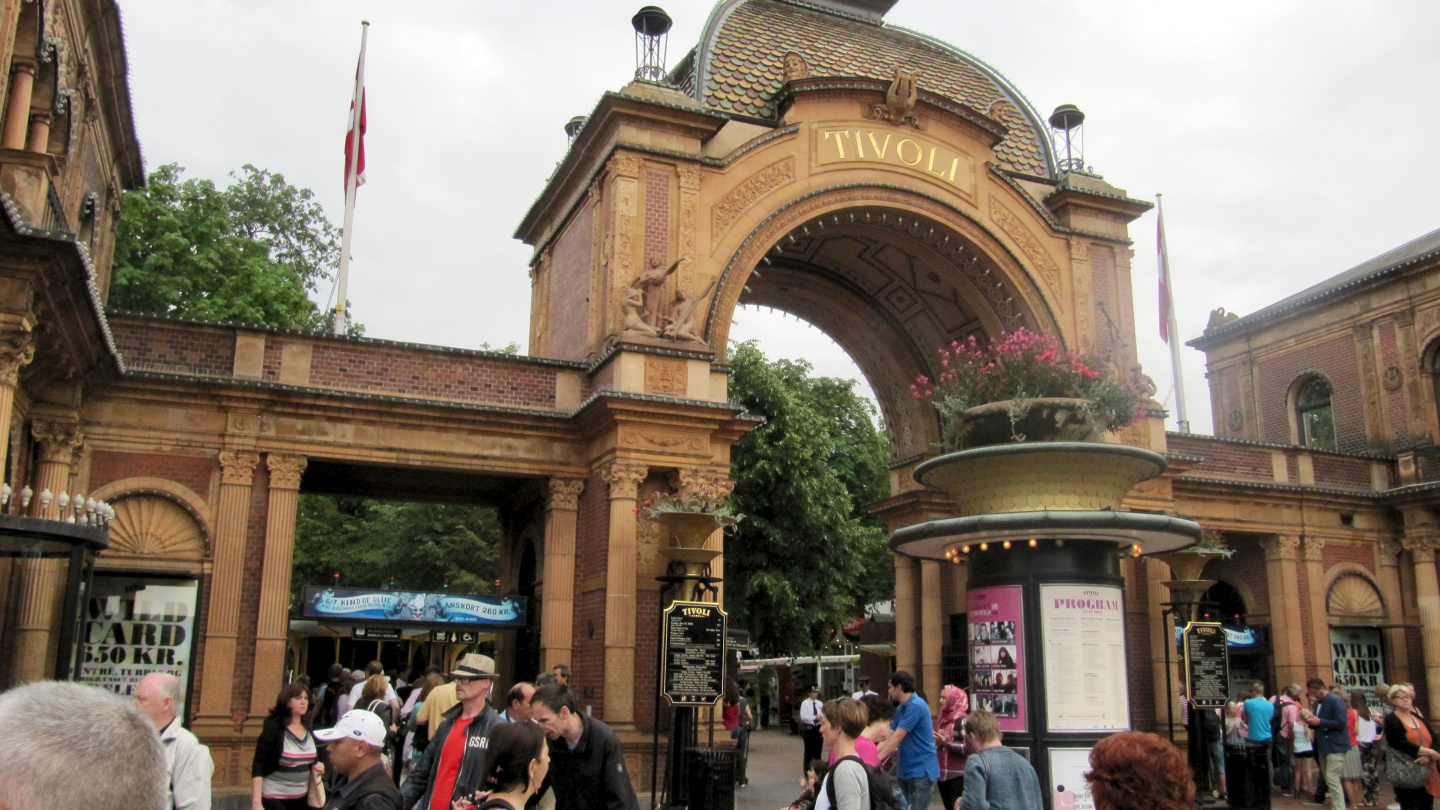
x=1336 y=360
x=175 y=348
x=571 y=266
x=1342 y=472
x=194 y=472
x=1137 y=661
x=657 y=216
x=1102 y=266
x=1245 y=570
x=410 y=373
x=1221 y=459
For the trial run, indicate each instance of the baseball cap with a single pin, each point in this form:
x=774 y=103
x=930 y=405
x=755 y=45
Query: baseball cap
x=356 y=724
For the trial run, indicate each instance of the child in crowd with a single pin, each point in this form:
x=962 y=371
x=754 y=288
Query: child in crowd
x=814 y=777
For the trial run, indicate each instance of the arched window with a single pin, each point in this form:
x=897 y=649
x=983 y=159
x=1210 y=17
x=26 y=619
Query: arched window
x=1314 y=415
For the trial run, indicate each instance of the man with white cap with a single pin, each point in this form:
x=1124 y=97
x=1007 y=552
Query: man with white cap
x=453 y=764
x=355 y=747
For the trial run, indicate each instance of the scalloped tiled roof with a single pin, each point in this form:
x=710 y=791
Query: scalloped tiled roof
x=745 y=68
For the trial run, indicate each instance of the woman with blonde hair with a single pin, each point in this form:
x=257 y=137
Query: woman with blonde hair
x=1412 y=756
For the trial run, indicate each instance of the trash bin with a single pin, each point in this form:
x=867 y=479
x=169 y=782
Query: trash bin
x=710 y=778
x=1247 y=776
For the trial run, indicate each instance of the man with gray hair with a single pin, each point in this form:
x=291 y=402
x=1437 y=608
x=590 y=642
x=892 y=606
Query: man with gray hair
x=78 y=746
x=158 y=696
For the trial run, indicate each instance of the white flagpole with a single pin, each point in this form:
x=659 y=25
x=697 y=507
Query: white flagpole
x=357 y=106
x=1183 y=422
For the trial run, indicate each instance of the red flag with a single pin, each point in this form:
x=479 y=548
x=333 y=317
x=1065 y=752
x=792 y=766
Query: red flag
x=355 y=142
x=1164 y=264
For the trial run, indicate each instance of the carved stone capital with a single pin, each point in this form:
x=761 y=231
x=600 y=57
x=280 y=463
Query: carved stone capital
x=690 y=478
x=689 y=177
x=624 y=478
x=1280 y=547
x=58 y=440
x=1388 y=551
x=285 y=471
x=1421 y=541
x=238 y=466
x=17 y=349
x=1313 y=548
x=565 y=493
x=624 y=164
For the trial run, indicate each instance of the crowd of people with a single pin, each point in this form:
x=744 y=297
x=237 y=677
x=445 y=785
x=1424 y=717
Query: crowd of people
x=1322 y=742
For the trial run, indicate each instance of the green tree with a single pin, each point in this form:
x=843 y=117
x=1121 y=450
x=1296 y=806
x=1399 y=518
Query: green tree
x=416 y=546
x=253 y=251
x=808 y=557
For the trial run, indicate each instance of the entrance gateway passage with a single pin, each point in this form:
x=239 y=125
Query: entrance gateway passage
x=891 y=190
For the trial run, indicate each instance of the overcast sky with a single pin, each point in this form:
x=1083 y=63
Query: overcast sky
x=1292 y=140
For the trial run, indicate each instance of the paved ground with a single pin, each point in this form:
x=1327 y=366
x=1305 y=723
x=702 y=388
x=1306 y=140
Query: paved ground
x=775 y=769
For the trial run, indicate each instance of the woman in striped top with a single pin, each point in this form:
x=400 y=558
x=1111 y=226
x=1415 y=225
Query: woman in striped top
x=284 y=754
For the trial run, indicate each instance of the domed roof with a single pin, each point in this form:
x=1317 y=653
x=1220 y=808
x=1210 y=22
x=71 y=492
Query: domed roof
x=738 y=68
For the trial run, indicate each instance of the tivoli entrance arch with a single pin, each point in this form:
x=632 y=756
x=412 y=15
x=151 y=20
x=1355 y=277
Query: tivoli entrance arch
x=891 y=190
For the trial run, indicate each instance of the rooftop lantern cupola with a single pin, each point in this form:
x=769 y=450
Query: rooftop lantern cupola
x=651 y=25
x=573 y=127
x=1067 y=122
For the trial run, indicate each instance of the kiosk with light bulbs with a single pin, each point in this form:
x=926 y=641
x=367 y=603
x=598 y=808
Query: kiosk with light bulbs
x=1040 y=530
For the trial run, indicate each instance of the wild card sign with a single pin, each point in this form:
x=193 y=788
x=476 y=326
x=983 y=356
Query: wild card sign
x=135 y=626
x=351 y=604
x=1357 y=656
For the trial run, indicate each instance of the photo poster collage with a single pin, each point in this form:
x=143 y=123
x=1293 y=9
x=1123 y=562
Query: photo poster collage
x=997 y=656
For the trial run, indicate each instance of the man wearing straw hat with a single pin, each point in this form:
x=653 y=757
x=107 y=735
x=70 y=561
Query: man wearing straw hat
x=453 y=764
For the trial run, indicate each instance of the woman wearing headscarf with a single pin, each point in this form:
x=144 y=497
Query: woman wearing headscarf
x=950 y=743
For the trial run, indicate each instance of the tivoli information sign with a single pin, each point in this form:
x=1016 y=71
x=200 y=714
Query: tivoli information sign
x=693 y=656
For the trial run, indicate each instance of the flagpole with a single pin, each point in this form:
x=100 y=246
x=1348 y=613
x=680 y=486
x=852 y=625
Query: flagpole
x=1183 y=421
x=352 y=170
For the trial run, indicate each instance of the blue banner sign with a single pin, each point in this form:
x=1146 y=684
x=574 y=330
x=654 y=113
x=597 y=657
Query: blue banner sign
x=1234 y=636
x=409 y=607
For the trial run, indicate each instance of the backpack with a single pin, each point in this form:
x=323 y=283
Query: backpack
x=1276 y=721
x=381 y=708
x=884 y=791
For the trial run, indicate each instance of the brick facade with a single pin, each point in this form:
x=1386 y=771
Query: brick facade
x=569 y=288
x=175 y=347
x=1333 y=359
x=195 y=472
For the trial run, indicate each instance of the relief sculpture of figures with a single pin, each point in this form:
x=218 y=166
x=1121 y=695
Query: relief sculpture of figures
x=633 y=309
x=681 y=323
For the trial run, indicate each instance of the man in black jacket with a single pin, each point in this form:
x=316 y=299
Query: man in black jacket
x=356 y=746
x=453 y=764
x=587 y=767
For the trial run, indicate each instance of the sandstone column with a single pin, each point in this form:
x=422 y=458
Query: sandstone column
x=1319 y=624
x=17 y=113
x=931 y=630
x=272 y=628
x=1422 y=537
x=223 y=623
x=41 y=580
x=39 y=133
x=1387 y=557
x=624 y=479
x=1281 y=576
x=17 y=349
x=906 y=657
x=558 y=602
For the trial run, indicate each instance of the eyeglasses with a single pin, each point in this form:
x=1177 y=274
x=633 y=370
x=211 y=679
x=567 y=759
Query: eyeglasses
x=468 y=679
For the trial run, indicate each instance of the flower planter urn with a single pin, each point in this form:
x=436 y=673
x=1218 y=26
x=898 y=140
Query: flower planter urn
x=1032 y=477
x=1042 y=419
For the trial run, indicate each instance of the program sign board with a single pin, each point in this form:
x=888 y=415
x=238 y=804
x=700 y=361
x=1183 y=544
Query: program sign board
x=693 y=658
x=409 y=607
x=1207 y=664
x=136 y=625
x=1086 y=685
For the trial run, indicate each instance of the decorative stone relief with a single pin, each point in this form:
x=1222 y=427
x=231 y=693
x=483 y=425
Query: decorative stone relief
x=622 y=264
x=900 y=100
x=564 y=493
x=740 y=198
x=1029 y=245
x=17 y=350
x=624 y=478
x=1314 y=546
x=148 y=524
x=238 y=466
x=1353 y=594
x=285 y=471
x=1392 y=379
x=1369 y=376
x=244 y=422
x=58 y=440
x=665 y=375
x=1280 y=547
x=795 y=67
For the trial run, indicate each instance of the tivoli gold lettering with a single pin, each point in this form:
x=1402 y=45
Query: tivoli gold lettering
x=875 y=146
